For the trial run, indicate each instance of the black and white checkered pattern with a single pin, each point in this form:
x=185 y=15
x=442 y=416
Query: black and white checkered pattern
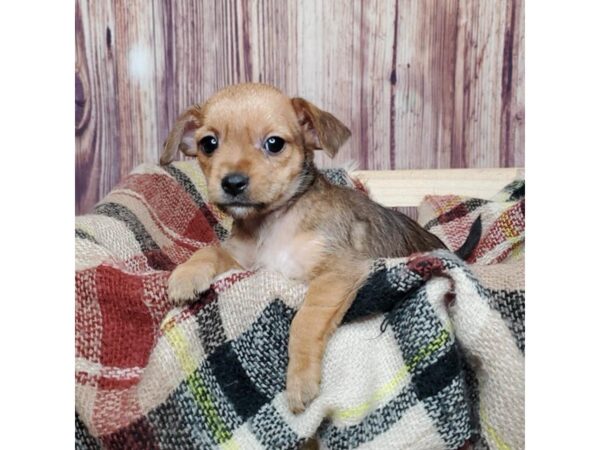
x=234 y=398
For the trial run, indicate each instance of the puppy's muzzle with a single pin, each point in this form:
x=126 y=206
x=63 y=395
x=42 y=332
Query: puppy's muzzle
x=234 y=183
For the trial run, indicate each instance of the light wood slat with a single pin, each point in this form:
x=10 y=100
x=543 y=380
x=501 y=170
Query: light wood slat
x=408 y=187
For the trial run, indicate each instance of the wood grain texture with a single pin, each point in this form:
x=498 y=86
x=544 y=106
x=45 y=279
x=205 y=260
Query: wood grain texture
x=421 y=83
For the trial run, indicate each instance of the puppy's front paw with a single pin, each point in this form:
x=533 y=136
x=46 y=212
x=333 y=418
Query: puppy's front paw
x=302 y=387
x=186 y=282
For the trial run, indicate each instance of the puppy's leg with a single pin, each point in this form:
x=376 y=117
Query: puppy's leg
x=196 y=274
x=329 y=296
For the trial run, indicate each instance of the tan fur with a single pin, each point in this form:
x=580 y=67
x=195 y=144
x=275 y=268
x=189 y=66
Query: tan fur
x=289 y=218
x=196 y=274
x=330 y=293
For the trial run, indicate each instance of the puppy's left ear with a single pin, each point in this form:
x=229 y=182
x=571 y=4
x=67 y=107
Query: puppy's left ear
x=321 y=129
x=181 y=136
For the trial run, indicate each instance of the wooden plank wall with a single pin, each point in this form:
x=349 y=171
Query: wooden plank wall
x=421 y=83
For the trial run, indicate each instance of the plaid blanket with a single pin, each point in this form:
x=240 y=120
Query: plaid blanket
x=430 y=356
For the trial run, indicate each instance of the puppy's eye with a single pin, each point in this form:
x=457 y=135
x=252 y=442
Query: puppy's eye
x=208 y=144
x=274 y=144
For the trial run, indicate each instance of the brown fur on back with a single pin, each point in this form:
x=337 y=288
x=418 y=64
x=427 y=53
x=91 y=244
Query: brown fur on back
x=348 y=216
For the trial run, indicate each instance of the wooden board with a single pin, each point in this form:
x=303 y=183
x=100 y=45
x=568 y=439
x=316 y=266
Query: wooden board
x=406 y=188
x=422 y=84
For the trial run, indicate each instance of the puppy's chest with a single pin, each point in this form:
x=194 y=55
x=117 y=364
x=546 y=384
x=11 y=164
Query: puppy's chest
x=281 y=247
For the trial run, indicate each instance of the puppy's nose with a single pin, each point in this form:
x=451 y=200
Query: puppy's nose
x=234 y=183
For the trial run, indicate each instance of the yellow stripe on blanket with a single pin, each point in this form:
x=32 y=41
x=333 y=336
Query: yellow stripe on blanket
x=510 y=232
x=197 y=388
x=492 y=433
x=356 y=412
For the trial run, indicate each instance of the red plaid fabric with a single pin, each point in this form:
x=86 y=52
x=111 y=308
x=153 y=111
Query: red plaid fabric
x=503 y=222
x=128 y=335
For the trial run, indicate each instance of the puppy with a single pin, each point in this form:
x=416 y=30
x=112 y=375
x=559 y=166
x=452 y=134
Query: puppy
x=256 y=147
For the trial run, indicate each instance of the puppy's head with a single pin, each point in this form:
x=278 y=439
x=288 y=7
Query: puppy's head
x=254 y=144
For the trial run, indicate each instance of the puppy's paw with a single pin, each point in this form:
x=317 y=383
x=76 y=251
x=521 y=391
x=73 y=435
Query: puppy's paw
x=302 y=387
x=186 y=282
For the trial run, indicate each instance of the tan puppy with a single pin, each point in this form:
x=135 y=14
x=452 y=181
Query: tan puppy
x=255 y=147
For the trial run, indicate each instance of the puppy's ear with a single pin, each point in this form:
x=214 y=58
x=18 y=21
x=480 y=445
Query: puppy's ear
x=181 y=136
x=321 y=129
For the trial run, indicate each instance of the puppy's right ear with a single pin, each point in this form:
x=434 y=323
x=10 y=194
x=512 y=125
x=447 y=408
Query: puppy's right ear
x=181 y=136
x=321 y=129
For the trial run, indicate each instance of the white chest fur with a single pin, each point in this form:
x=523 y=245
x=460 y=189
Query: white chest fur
x=280 y=246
